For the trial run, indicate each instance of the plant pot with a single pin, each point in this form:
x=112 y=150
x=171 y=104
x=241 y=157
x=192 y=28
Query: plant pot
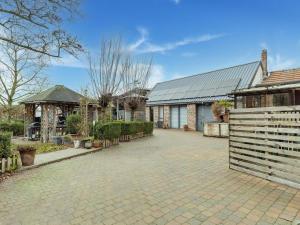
x=185 y=128
x=77 y=143
x=88 y=144
x=97 y=144
x=27 y=157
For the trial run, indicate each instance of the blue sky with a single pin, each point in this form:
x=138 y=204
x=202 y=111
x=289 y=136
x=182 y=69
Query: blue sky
x=186 y=37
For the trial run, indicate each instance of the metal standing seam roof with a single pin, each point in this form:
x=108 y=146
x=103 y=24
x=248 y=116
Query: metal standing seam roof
x=58 y=93
x=205 y=87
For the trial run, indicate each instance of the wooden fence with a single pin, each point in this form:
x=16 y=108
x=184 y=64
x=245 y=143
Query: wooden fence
x=265 y=142
x=8 y=164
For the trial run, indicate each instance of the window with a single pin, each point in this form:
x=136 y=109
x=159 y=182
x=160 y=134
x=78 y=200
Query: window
x=281 y=99
x=253 y=101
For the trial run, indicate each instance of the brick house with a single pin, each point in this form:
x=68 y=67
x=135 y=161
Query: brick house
x=278 y=88
x=187 y=101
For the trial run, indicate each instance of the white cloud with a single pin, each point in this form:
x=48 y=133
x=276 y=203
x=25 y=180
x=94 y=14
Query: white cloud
x=143 y=45
x=144 y=34
x=277 y=62
x=176 y=2
x=157 y=75
x=70 y=61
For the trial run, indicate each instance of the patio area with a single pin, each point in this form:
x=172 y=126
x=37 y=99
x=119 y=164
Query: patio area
x=174 y=177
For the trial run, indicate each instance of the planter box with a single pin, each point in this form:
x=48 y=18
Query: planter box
x=216 y=129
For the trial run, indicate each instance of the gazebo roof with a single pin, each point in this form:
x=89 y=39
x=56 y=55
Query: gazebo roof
x=56 y=94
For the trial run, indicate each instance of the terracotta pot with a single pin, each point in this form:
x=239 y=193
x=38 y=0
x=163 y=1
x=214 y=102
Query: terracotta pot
x=226 y=117
x=97 y=144
x=27 y=157
x=185 y=128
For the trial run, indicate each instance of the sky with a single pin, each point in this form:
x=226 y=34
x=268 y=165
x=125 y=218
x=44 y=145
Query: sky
x=185 y=37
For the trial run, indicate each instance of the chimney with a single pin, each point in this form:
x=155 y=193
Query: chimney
x=264 y=62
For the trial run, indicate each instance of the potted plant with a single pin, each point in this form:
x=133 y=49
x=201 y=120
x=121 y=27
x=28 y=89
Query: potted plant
x=27 y=153
x=68 y=140
x=87 y=143
x=185 y=127
x=77 y=143
x=97 y=143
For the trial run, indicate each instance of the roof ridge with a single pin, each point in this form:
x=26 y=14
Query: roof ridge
x=207 y=72
x=286 y=70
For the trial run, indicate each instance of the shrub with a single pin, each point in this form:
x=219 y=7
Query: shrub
x=109 y=131
x=139 y=127
x=73 y=124
x=16 y=127
x=5 y=145
x=125 y=128
x=26 y=148
x=148 y=127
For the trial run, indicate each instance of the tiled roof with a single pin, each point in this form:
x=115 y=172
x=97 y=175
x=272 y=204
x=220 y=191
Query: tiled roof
x=58 y=93
x=282 y=76
x=204 y=87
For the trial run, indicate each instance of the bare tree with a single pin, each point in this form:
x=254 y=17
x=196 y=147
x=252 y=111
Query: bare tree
x=38 y=25
x=135 y=82
x=106 y=71
x=20 y=74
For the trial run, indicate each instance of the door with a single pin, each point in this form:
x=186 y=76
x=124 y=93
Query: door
x=182 y=116
x=174 y=117
x=204 y=114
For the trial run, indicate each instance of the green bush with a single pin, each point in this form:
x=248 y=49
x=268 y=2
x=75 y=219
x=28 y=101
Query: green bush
x=5 y=145
x=73 y=124
x=139 y=126
x=125 y=128
x=16 y=127
x=109 y=131
x=148 y=127
x=133 y=127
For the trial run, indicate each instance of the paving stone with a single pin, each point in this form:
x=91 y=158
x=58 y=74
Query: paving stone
x=173 y=177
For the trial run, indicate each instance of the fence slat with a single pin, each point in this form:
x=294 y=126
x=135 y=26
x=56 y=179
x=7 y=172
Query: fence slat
x=266 y=143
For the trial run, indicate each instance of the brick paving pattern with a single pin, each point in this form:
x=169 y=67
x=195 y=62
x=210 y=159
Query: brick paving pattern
x=172 y=178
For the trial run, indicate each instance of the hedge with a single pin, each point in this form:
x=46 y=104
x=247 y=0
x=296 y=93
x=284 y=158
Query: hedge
x=148 y=127
x=16 y=127
x=131 y=128
x=5 y=145
x=108 y=131
x=112 y=130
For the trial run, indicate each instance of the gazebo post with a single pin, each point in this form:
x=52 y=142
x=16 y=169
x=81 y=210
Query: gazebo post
x=44 y=123
x=54 y=120
x=28 y=116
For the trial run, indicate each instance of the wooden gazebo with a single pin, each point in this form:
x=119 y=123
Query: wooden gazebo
x=50 y=101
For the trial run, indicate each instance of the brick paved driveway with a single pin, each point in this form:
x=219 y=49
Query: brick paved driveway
x=171 y=178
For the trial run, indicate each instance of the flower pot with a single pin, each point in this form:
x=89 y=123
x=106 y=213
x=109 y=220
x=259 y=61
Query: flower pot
x=97 y=144
x=185 y=128
x=27 y=157
x=88 y=144
x=77 y=143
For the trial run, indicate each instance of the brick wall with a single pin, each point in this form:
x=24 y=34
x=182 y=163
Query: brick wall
x=192 y=116
x=147 y=113
x=155 y=114
x=166 y=116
